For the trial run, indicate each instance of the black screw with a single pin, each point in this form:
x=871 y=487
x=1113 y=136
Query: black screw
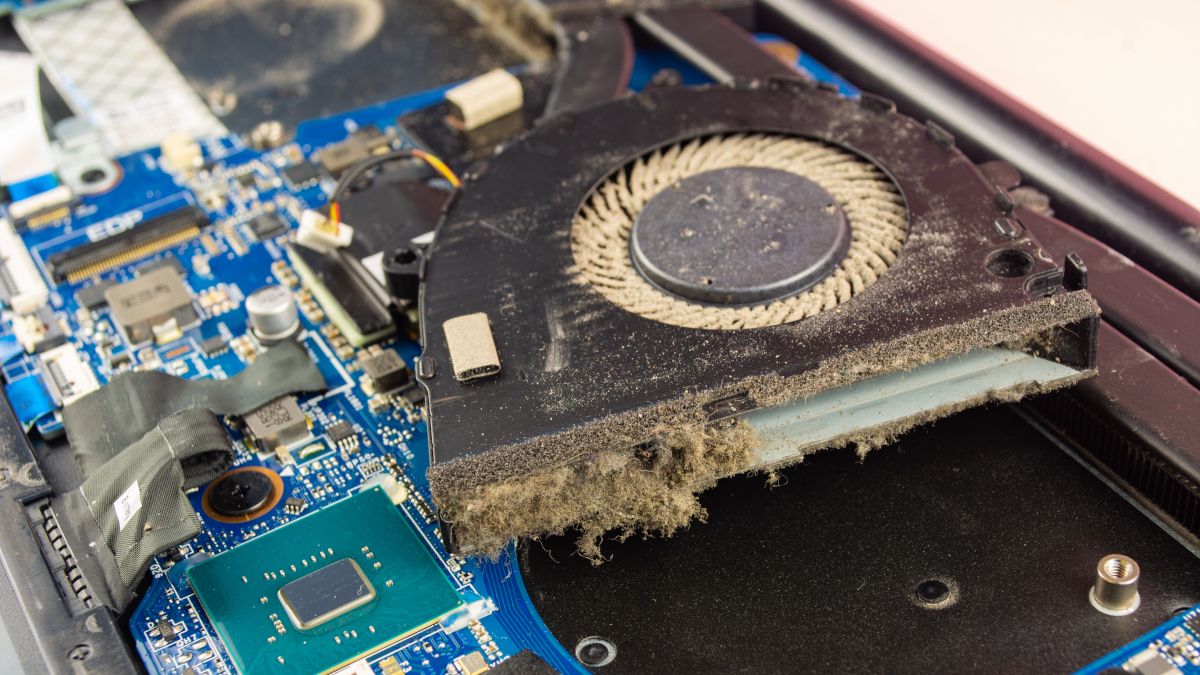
x=1004 y=202
x=80 y=652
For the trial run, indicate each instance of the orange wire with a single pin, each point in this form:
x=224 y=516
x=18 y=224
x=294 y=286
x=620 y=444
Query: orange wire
x=335 y=213
x=439 y=166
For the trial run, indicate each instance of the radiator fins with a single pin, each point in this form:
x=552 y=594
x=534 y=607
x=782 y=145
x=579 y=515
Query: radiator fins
x=1112 y=450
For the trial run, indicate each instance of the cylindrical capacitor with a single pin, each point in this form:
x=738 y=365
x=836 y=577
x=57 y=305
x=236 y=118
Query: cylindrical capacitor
x=273 y=314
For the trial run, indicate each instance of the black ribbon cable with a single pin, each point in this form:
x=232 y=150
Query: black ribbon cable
x=145 y=438
x=137 y=498
x=107 y=421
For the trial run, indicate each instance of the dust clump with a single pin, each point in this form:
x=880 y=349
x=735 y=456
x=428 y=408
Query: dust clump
x=653 y=490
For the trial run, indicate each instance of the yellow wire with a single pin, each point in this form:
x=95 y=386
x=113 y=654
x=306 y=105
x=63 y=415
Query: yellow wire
x=438 y=166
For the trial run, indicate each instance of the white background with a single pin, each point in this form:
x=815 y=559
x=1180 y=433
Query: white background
x=1123 y=75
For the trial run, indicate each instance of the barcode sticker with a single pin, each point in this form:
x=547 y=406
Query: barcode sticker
x=127 y=505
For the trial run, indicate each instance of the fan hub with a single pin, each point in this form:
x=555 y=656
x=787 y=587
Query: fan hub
x=739 y=235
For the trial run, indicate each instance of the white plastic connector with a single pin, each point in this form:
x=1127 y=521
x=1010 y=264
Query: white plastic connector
x=42 y=201
x=69 y=376
x=485 y=99
x=182 y=152
x=319 y=233
x=26 y=289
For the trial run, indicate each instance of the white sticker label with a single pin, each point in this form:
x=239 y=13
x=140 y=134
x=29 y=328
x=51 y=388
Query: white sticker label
x=127 y=505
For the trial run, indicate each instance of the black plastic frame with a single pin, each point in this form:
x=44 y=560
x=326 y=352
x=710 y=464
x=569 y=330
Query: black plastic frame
x=50 y=627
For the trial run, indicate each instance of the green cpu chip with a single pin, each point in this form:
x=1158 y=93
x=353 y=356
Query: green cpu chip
x=323 y=591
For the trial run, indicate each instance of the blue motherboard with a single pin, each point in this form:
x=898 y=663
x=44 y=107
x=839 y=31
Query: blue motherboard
x=495 y=618
x=1170 y=649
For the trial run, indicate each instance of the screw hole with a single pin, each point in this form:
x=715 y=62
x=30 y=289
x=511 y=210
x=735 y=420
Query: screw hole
x=932 y=591
x=92 y=176
x=80 y=652
x=1010 y=263
x=594 y=652
x=404 y=256
x=1118 y=568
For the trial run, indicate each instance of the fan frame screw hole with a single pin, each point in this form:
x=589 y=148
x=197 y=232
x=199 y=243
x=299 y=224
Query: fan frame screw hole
x=1010 y=263
x=935 y=593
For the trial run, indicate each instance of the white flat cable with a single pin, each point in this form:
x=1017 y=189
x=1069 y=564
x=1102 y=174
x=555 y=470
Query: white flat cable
x=90 y=52
x=24 y=147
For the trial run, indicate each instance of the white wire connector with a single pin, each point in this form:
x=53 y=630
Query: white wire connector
x=53 y=198
x=24 y=287
x=181 y=152
x=322 y=234
x=485 y=99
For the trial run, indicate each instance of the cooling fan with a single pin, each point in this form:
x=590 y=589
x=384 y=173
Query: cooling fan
x=640 y=298
x=739 y=231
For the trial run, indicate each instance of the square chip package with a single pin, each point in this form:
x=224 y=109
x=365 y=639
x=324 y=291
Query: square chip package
x=386 y=370
x=155 y=298
x=322 y=596
x=324 y=590
x=278 y=424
